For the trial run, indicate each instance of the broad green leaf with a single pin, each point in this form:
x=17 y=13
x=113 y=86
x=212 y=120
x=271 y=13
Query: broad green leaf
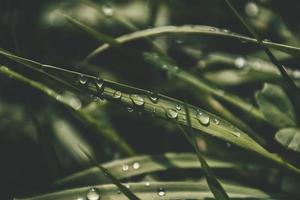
x=289 y=138
x=130 y=167
x=276 y=106
x=160 y=190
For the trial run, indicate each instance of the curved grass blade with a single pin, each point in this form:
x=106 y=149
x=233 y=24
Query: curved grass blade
x=161 y=190
x=130 y=195
x=272 y=58
x=213 y=183
x=124 y=168
x=97 y=125
x=166 y=107
x=192 y=29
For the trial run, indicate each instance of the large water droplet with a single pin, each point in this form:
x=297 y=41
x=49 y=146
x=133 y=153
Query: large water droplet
x=117 y=94
x=125 y=167
x=172 y=113
x=240 y=62
x=83 y=79
x=161 y=192
x=137 y=99
x=153 y=97
x=203 y=118
x=93 y=194
x=108 y=10
x=251 y=9
x=75 y=103
x=136 y=165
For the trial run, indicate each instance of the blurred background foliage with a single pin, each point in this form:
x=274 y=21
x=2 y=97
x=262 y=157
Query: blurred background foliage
x=37 y=134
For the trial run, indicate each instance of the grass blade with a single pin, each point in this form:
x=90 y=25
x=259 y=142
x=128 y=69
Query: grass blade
x=115 y=181
x=272 y=58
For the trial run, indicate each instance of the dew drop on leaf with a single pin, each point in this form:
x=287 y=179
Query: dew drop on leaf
x=125 y=167
x=130 y=109
x=217 y=122
x=147 y=184
x=172 y=113
x=137 y=99
x=108 y=10
x=117 y=94
x=161 y=192
x=93 y=194
x=203 y=118
x=82 y=79
x=178 y=107
x=153 y=97
x=240 y=62
x=136 y=165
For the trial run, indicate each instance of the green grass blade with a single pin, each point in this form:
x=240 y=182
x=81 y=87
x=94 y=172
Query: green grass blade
x=272 y=58
x=123 y=169
x=130 y=195
x=192 y=29
x=162 y=190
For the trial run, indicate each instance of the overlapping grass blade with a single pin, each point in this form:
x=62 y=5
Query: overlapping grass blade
x=126 y=191
x=123 y=169
x=272 y=58
x=162 y=190
x=192 y=29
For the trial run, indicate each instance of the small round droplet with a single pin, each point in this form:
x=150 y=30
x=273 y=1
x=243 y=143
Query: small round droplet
x=296 y=74
x=136 y=165
x=226 y=31
x=217 y=122
x=93 y=194
x=125 y=167
x=172 y=113
x=130 y=109
x=161 y=192
x=75 y=103
x=137 y=100
x=203 y=118
x=153 y=97
x=127 y=185
x=99 y=84
x=251 y=9
x=240 y=62
x=107 y=10
x=212 y=29
x=147 y=184
x=165 y=67
x=117 y=94
x=178 y=107
x=83 y=79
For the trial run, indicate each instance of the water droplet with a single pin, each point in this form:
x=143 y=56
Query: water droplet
x=251 y=9
x=75 y=103
x=172 y=113
x=228 y=145
x=107 y=10
x=58 y=97
x=178 y=107
x=226 y=31
x=99 y=84
x=125 y=167
x=161 y=192
x=93 y=194
x=165 y=67
x=212 y=29
x=203 y=118
x=136 y=165
x=296 y=74
x=137 y=99
x=236 y=134
x=117 y=94
x=83 y=79
x=119 y=192
x=153 y=97
x=240 y=62
x=147 y=184
x=127 y=185
x=217 y=122
x=129 y=109
x=79 y=198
